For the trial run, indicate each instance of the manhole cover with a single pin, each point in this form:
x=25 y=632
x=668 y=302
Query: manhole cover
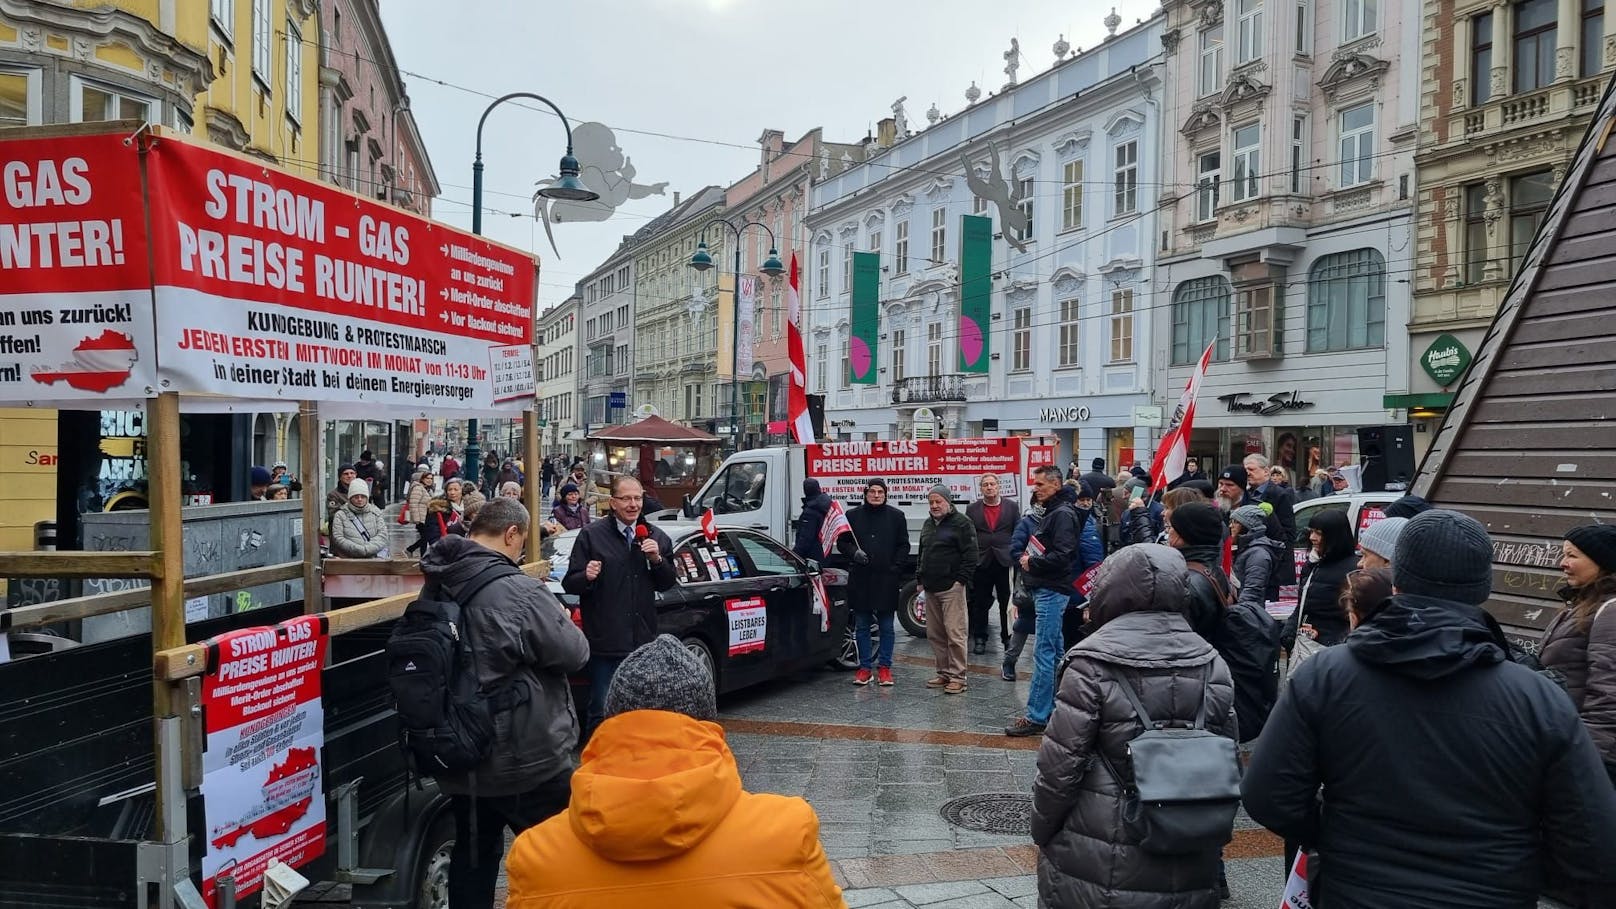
x=991 y=812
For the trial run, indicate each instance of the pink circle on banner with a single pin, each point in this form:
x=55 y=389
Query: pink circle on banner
x=858 y=353
x=970 y=335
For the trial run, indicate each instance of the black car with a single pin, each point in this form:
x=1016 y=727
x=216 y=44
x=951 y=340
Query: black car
x=744 y=605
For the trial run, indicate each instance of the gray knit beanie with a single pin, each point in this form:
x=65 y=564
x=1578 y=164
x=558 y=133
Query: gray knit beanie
x=1250 y=517
x=1444 y=554
x=941 y=490
x=663 y=675
x=1381 y=537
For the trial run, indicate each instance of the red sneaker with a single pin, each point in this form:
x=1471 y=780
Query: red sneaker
x=862 y=677
x=883 y=676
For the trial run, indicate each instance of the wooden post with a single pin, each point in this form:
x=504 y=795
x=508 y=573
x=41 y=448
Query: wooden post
x=168 y=587
x=310 y=473
x=533 y=487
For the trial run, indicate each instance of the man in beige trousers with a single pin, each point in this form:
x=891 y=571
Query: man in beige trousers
x=947 y=562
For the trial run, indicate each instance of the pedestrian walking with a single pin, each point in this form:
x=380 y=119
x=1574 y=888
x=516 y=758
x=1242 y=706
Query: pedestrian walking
x=994 y=519
x=570 y=512
x=878 y=547
x=615 y=569
x=815 y=506
x=1377 y=543
x=548 y=477
x=948 y=557
x=420 y=493
x=1580 y=642
x=374 y=473
x=359 y=530
x=1048 y=569
x=449 y=469
x=1424 y=766
x=658 y=816
x=524 y=644
x=1141 y=648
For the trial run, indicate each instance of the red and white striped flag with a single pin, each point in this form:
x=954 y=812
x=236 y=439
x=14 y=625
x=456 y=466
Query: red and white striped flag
x=709 y=526
x=802 y=428
x=835 y=525
x=1175 y=445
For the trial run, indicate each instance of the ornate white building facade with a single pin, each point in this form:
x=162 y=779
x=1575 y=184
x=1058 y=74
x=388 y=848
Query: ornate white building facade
x=1069 y=331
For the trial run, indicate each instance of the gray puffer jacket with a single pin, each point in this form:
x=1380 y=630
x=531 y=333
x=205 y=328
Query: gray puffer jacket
x=1087 y=858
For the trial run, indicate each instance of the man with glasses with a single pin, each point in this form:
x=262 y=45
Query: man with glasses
x=615 y=569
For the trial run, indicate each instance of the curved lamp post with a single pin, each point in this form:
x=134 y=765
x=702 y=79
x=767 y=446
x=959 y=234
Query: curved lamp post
x=568 y=188
x=772 y=267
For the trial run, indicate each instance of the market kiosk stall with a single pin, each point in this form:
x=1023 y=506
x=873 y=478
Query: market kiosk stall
x=670 y=460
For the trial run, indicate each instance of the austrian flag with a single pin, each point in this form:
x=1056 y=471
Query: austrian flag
x=835 y=525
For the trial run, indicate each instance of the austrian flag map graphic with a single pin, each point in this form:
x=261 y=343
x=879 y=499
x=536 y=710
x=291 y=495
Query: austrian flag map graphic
x=99 y=364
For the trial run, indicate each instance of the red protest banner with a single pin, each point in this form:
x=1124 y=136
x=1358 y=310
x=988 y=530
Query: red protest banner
x=270 y=285
x=74 y=306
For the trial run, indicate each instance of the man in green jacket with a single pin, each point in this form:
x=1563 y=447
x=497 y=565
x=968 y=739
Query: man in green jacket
x=947 y=561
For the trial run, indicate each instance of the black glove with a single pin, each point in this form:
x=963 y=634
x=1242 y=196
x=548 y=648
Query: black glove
x=861 y=558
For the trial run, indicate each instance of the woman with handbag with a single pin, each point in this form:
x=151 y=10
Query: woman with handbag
x=1320 y=620
x=1089 y=854
x=1580 y=642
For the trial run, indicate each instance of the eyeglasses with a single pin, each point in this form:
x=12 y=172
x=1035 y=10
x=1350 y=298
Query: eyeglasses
x=628 y=498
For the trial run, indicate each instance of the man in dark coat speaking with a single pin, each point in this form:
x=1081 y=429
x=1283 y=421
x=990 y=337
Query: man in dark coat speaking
x=879 y=550
x=615 y=569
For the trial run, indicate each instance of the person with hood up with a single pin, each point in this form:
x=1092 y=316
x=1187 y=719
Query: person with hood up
x=359 y=530
x=1451 y=776
x=947 y=562
x=1580 y=642
x=570 y=512
x=658 y=816
x=815 y=507
x=878 y=548
x=1331 y=556
x=1256 y=556
x=1088 y=857
x=1049 y=565
x=524 y=643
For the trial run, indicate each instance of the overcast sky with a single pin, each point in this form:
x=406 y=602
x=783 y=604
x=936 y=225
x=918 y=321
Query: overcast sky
x=707 y=75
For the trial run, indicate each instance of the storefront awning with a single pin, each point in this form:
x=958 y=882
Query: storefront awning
x=1436 y=400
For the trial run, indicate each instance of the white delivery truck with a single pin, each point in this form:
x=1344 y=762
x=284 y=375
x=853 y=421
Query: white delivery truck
x=761 y=489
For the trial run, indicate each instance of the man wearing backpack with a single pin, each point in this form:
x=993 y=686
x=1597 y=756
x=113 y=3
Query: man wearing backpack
x=523 y=646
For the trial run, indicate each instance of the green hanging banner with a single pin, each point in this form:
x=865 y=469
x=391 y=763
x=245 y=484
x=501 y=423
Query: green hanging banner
x=976 y=292
x=866 y=318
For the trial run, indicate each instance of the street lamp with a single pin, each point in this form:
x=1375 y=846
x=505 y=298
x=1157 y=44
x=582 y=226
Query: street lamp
x=703 y=260
x=567 y=188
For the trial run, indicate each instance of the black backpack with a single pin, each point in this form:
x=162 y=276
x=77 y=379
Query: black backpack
x=446 y=719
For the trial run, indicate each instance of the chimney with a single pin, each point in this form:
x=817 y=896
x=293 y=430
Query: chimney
x=676 y=198
x=886 y=133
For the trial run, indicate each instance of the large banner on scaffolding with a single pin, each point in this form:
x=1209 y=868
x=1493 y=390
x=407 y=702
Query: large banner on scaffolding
x=75 y=287
x=274 y=286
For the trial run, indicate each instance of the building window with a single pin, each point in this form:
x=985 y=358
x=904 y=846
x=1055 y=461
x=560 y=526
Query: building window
x=1593 y=36
x=294 y=72
x=899 y=342
x=1346 y=301
x=1475 y=228
x=821 y=365
x=1250 y=31
x=1126 y=178
x=1360 y=18
x=1212 y=60
x=1304 y=43
x=1200 y=313
x=934 y=349
x=92 y=103
x=939 y=235
x=1122 y=325
x=693 y=401
x=846 y=380
x=1208 y=178
x=1534 y=44
x=223 y=13
x=262 y=46
x=979 y=205
x=622 y=359
x=1481 y=59
x=779 y=312
x=1028 y=193
x=1529 y=197
x=824 y=274
x=1298 y=153
x=19 y=97
x=847 y=268
x=1247 y=140
x=1021 y=341
x=875 y=241
x=1070 y=333
x=900 y=253
x=1357 y=144
x=1072 y=195
x=1256 y=328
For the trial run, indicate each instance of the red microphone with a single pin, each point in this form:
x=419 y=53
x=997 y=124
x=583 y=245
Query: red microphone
x=641 y=532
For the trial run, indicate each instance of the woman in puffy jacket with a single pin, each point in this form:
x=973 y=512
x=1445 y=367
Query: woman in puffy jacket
x=1580 y=643
x=1087 y=855
x=1256 y=556
x=1332 y=558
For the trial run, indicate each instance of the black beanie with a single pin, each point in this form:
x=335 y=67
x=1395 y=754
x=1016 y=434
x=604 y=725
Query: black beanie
x=1444 y=554
x=1597 y=542
x=1407 y=507
x=1235 y=474
x=875 y=481
x=1197 y=524
x=1098 y=464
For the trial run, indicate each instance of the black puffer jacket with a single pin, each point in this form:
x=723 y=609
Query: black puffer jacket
x=1060 y=534
x=1257 y=568
x=815 y=506
x=1320 y=598
x=1451 y=777
x=883 y=534
x=1587 y=659
x=1087 y=856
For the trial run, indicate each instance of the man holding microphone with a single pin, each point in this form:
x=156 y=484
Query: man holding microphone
x=615 y=569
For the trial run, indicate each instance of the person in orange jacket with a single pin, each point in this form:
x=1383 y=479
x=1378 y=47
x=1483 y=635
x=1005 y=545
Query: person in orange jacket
x=658 y=816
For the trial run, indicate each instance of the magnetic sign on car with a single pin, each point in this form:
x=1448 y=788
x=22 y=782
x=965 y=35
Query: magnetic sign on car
x=748 y=624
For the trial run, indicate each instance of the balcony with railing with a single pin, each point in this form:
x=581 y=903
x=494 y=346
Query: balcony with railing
x=918 y=390
x=1528 y=109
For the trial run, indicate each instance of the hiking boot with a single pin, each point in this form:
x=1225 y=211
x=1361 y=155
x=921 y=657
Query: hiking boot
x=862 y=677
x=883 y=676
x=936 y=681
x=1007 y=672
x=1023 y=728
x=954 y=687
